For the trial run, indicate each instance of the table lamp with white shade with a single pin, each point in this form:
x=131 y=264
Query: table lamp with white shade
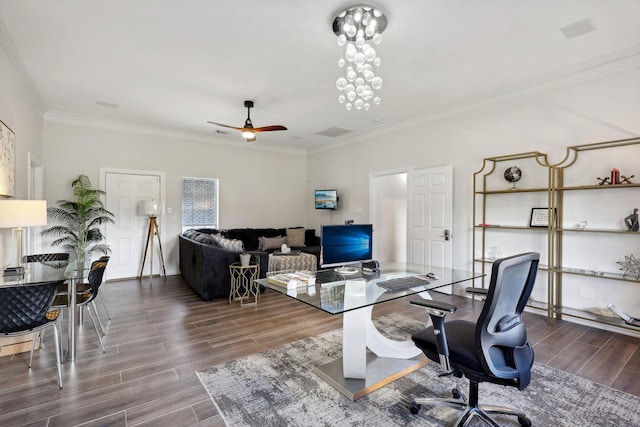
x=17 y=214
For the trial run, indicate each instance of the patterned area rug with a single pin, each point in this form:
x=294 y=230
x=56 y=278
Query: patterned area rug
x=277 y=388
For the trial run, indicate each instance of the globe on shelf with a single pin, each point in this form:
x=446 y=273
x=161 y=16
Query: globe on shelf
x=513 y=175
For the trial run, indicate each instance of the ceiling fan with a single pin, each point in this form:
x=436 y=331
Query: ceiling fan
x=248 y=131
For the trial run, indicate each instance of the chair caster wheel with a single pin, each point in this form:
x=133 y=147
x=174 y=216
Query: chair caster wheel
x=415 y=408
x=524 y=422
x=455 y=393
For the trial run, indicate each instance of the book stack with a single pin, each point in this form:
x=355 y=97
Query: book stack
x=292 y=279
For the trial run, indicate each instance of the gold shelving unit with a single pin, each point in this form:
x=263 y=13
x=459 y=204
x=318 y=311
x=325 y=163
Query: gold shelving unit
x=562 y=234
x=486 y=186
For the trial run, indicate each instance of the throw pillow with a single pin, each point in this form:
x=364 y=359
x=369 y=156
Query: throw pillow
x=204 y=238
x=273 y=242
x=228 y=244
x=295 y=237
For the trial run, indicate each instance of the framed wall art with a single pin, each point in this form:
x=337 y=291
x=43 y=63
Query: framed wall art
x=540 y=217
x=7 y=161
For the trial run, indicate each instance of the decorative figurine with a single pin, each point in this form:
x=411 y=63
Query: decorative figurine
x=513 y=175
x=626 y=179
x=632 y=221
x=604 y=181
x=630 y=266
x=615 y=176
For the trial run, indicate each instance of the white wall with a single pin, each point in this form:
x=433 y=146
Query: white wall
x=20 y=111
x=258 y=188
x=603 y=107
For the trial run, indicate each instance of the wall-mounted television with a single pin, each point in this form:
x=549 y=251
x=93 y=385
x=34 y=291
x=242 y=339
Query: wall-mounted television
x=326 y=199
x=342 y=245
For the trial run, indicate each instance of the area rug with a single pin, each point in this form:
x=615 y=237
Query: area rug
x=277 y=388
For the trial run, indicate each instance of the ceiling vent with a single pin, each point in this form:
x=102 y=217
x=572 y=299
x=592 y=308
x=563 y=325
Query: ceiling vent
x=578 y=28
x=107 y=104
x=334 y=132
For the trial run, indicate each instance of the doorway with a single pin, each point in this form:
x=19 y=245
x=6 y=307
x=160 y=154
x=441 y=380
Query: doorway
x=412 y=215
x=127 y=192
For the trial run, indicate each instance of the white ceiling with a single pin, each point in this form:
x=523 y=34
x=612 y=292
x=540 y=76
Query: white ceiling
x=175 y=64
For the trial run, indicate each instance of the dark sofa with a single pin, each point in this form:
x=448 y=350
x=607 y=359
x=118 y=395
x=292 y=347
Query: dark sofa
x=204 y=264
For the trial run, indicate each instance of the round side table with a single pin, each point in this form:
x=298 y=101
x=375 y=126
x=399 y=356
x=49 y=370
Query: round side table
x=243 y=283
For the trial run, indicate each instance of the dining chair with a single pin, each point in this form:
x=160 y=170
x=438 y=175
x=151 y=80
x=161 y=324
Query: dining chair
x=86 y=298
x=26 y=309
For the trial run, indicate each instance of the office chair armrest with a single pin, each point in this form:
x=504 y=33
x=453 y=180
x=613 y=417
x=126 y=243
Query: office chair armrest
x=435 y=306
x=477 y=291
x=437 y=311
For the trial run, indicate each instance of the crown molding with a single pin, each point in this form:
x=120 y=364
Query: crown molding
x=10 y=52
x=144 y=129
x=618 y=61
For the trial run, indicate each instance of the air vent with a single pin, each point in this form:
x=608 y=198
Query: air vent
x=578 y=28
x=334 y=132
x=107 y=104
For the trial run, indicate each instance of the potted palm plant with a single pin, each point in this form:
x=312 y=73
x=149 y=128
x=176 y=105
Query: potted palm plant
x=78 y=221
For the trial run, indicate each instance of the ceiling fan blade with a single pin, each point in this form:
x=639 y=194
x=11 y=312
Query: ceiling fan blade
x=226 y=126
x=269 y=128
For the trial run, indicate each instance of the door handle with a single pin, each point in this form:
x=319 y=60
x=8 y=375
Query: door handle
x=446 y=235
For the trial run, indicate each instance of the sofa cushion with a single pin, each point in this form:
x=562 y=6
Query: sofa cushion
x=269 y=232
x=247 y=235
x=205 y=238
x=273 y=242
x=190 y=234
x=232 y=245
x=295 y=237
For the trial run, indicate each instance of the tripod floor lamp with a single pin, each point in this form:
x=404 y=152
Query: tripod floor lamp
x=151 y=209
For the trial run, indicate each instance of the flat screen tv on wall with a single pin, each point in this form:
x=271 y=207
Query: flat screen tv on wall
x=326 y=199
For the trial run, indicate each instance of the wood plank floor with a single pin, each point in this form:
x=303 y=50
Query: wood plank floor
x=161 y=333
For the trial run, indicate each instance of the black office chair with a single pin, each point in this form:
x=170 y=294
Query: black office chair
x=25 y=309
x=494 y=349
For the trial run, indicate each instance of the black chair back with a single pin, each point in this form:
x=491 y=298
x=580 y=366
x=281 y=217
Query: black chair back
x=500 y=333
x=23 y=308
x=95 y=277
x=54 y=260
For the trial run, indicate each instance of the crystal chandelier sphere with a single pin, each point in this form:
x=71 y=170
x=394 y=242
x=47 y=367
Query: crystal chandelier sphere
x=358 y=29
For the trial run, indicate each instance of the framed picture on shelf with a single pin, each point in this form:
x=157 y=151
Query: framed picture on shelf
x=540 y=217
x=7 y=160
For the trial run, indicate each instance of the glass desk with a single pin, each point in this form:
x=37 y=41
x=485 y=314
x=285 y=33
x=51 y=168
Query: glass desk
x=35 y=273
x=361 y=371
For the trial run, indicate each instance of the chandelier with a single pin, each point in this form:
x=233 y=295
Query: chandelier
x=359 y=29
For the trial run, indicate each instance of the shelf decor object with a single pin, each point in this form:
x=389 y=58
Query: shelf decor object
x=630 y=266
x=632 y=221
x=539 y=217
x=513 y=175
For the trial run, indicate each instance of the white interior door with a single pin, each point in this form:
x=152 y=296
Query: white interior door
x=430 y=216
x=126 y=194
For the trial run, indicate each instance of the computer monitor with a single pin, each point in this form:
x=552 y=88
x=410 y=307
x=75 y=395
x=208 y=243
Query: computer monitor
x=345 y=245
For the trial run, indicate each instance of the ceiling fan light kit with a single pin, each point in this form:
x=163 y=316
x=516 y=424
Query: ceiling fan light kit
x=248 y=131
x=358 y=29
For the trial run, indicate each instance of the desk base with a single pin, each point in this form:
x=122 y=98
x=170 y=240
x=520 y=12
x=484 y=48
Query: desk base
x=380 y=372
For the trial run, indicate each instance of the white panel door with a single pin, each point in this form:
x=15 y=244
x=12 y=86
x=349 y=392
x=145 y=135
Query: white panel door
x=126 y=194
x=430 y=216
